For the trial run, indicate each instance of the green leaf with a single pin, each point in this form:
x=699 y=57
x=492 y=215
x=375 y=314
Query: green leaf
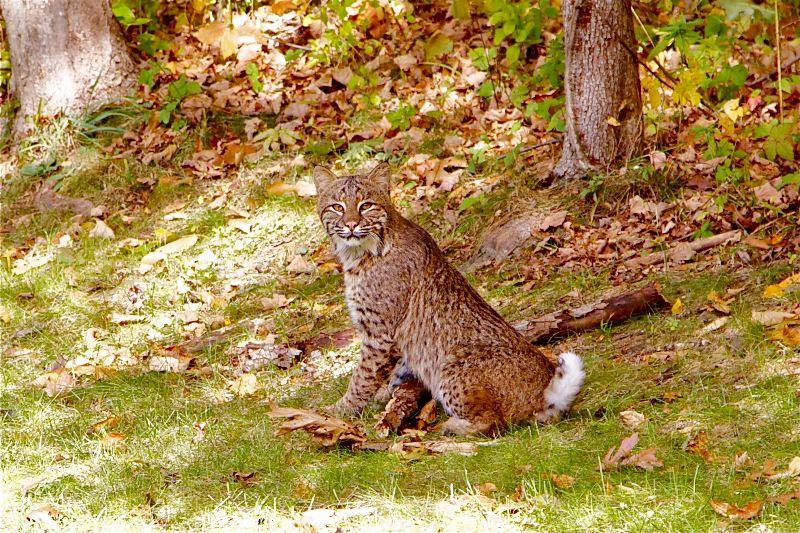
x=735 y=8
x=125 y=14
x=460 y=9
x=439 y=44
x=512 y=54
x=486 y=90
x=181 y=88
x=790 y=179
x=252 y=74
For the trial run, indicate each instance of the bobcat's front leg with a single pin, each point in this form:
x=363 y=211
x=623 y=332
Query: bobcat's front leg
x=378 y=359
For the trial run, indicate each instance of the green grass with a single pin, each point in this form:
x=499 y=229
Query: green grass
x=163 y=477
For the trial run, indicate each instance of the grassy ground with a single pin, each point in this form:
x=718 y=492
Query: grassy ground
x=185 y=451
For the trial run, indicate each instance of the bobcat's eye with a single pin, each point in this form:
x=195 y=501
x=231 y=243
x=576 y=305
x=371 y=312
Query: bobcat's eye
x=337 y=208
x=366 y=206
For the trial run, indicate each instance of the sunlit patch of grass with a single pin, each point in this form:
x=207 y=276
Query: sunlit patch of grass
x=166 y=473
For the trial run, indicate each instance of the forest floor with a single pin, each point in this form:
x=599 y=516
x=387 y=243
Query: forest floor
x=103 y=424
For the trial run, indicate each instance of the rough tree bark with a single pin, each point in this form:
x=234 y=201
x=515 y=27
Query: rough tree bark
x=67 y=56
x=602 y=91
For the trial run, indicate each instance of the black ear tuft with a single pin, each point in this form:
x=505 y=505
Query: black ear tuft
x=381 y=175
x=323 y=177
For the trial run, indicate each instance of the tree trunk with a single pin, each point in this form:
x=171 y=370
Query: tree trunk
x=603 y=95
x=67 y=57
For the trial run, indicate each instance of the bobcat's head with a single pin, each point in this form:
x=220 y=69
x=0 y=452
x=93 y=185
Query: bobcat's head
x=354 y=209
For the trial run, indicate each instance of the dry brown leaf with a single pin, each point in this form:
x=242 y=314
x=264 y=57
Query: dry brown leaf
x=770 y=317
x=729 y=510
x=112 y=440
x=786 y=497
x=401 y=408
x=300 y=265
x=245 y=385
x=615 y=455
x=562 y=481
x=170 y=363
x=46 y=515
x=104 y=425
x=486 y=488
x=326 y=430
x=645 y=459
x=101 y=231
x=631 y=419
x=275 y=301
x=789 y=335
x=56 y=382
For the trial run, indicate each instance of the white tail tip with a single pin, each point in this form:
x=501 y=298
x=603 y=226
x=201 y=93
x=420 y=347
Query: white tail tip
x=564 y=386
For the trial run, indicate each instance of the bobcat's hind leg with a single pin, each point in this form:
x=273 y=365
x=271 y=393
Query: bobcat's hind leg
x=475 y=411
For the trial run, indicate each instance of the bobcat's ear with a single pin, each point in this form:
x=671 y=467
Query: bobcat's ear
x=323 y=177
x=381 y=175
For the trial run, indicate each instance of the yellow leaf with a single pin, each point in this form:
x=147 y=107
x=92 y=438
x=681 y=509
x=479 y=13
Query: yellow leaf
x=773 y=291
x=613 y=122
x=228 y=44
x=245 y=385
x=210 y=33
x=280 y=187
x=777 y=290
x=678 y=307
x=733 y=110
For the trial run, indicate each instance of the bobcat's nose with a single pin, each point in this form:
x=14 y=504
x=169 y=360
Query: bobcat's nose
x=351 y=225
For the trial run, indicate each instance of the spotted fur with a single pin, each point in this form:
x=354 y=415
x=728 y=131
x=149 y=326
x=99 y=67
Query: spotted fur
x=418 y=316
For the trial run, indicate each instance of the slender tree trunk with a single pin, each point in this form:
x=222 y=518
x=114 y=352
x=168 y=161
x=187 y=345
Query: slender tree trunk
x=603 y=94
x=67 y=56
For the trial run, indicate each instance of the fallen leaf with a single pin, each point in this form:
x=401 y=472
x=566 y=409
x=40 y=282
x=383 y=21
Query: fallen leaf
x=678 y=307
x=631 y=419
x=553 y=220
x=300 y=265
x=714 y=325
x=247 y=479
x=161 y=253
x=279 y=188
x=117 y=318
x=486 y=488
x=325 y=430
x=101 y=231
x=112 y=440
x=614 y=455
x=786 y=497
x=401 y=408
x=789 y=335
x=242 y=224
x=245 y=385
x=562 y=481
x=46 y=515
x=104 y=425
x=56 y=382
x=698 y=445
x=645 y=459
x=729 y=510
x=276 y=301
x=305 y=189
x=777 y=290
x=770 y=318
x=170 y=363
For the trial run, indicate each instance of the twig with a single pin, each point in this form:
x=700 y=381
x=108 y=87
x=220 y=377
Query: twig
x=542 y=144
x=692 y=247
x=765 y=77
x=778 y=59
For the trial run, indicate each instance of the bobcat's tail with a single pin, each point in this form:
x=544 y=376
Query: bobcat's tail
x=564 y=386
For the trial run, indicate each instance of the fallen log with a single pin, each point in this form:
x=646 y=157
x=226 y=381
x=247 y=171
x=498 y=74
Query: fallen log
x=608 y=311
x=680 y=253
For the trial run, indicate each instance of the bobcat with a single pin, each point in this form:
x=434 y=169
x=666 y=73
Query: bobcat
x=420 y=318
